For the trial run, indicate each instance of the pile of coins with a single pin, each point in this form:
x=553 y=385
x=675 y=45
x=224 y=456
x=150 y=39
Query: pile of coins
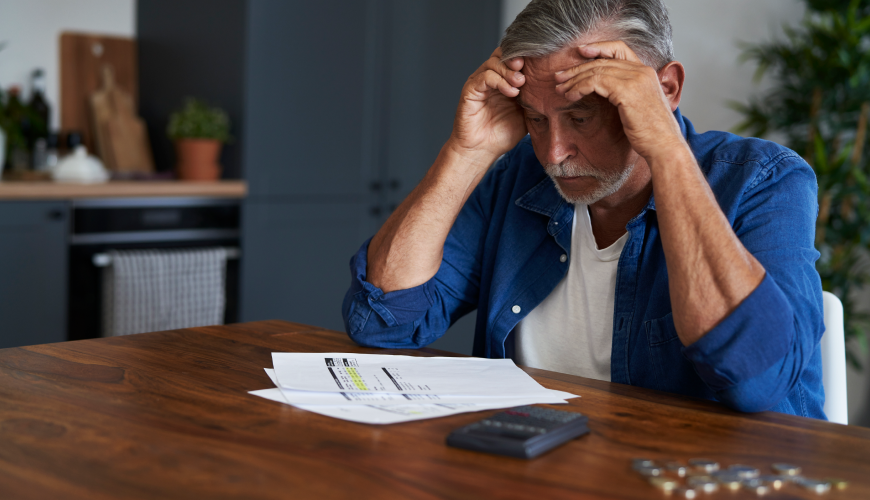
x=701 y=475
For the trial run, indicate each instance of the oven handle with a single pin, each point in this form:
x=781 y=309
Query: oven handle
x=103 y=259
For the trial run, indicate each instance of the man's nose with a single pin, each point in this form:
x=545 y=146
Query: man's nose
x=559 y=147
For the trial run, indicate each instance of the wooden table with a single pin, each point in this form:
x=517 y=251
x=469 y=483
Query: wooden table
x=167 y=415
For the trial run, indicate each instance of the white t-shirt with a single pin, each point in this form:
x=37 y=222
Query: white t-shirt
x=571 y=331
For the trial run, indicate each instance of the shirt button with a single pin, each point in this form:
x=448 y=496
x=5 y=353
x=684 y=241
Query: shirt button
x=516 y=309
x=563 y=258
x=555 y=223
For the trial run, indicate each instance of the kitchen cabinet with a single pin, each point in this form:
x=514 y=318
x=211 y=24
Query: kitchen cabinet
x=346 y=105
x=33 y=272
x=296 y=257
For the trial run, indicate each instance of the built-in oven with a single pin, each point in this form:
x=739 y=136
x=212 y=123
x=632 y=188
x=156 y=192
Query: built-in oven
x=101 y=225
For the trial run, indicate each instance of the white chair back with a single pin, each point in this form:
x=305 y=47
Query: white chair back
x=834 y=360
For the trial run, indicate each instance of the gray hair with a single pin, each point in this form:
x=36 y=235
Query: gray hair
x=547 y=26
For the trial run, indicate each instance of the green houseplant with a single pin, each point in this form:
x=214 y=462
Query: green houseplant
x=198 y=131
x=819 y=104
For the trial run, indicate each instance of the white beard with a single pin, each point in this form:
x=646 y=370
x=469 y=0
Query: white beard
x=608 y=182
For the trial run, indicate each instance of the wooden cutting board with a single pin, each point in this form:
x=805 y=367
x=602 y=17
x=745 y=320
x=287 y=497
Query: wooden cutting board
x=82 y=58
x=121 y=136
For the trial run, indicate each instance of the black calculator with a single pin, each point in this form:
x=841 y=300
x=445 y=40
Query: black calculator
x=522 y=432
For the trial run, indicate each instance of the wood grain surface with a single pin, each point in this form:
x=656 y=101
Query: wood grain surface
x=121 y=189
x=167 y=415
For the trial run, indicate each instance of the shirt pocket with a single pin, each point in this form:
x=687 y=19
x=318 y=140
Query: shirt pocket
x=673 y=372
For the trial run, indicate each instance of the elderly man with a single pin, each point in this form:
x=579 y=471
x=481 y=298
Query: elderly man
x=609 y=239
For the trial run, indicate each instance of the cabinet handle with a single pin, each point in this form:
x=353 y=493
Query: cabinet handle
x=375 y=186
x=55 y=214
x=394 y=184
x=376 y=211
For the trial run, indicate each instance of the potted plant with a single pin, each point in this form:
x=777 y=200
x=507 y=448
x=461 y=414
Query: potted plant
x=198 y=131
x=819 y=104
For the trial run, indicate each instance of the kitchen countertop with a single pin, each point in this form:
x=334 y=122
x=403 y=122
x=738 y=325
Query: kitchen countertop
x=20 y=190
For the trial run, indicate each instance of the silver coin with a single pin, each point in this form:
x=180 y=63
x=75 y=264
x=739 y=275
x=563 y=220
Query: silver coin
x=704 y=483
x=677 y=468
x=775 y=482
x=650 y=471
x=786 y=469
x=756 y=486
x=684 y=492
x=815 y=485
x=728 y=479
x=704 y=464
x=840 y=484
x=694 y=480
x=744 y=471
x=641 y=462
x=665 y=483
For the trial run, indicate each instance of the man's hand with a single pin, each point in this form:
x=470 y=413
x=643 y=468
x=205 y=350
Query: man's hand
x=407 y=251
x=618 y=75
x=488 y=120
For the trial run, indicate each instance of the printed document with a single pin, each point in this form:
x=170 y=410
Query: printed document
x=394 y=414
x=383 y=373
x=388 y=389
x=295 y=397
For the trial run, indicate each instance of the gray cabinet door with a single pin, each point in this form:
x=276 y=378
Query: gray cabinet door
x=296 y=258
x=347 y=106
x=33 y=272
x=305 y=130
x=434 y=46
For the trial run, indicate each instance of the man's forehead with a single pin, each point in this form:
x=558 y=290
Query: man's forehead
x=545 y=68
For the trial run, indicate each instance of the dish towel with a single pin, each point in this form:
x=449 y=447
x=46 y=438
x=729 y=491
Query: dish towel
x=154 y=290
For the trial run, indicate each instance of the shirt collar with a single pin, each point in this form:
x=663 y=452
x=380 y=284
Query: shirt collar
x=543 y=198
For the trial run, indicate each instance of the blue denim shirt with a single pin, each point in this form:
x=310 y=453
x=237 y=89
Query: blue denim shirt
x=503 y=251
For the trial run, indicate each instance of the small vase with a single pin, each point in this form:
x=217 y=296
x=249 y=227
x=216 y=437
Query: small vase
x=197 y=159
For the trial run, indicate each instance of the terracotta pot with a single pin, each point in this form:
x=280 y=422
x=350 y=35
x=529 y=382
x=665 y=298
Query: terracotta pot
x=197 y=159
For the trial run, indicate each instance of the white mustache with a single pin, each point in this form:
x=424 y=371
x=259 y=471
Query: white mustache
x=608 y=181
x=573 y=169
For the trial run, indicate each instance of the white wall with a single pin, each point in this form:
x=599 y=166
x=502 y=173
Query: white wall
x=31 y=28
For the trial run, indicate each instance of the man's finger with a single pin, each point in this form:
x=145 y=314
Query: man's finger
x=515 y=64
x=514 y=77
x=563 y=77
x=490 y=80
x=616 y=49
x=599 y=82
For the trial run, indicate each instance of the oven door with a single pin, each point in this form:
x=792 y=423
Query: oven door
x=168 y=223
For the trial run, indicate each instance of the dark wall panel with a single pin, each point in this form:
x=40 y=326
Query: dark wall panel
x=191 y=48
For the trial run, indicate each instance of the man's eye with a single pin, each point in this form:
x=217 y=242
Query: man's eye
x=536 y=119
x=579 y=121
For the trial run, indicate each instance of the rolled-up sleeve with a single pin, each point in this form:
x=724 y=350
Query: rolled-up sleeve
x=755 y=356
x=379 y=319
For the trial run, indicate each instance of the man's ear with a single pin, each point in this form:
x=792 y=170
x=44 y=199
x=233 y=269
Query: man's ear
x=671 y=77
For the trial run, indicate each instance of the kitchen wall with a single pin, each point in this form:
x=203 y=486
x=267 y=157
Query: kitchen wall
x=30 y=29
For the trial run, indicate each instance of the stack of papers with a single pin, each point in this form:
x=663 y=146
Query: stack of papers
x=387 y=389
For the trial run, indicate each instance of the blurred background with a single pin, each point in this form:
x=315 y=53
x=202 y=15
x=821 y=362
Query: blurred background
x=321 y=117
